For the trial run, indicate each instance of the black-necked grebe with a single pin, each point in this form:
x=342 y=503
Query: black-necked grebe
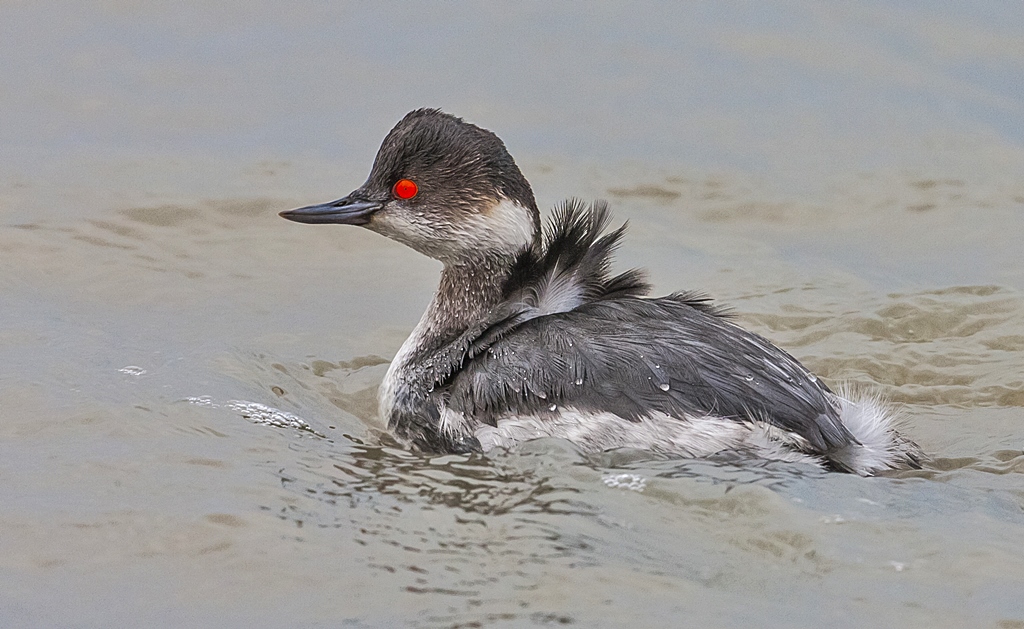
x=529 y=336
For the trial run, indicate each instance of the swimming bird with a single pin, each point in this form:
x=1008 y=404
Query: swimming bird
x=530 y=335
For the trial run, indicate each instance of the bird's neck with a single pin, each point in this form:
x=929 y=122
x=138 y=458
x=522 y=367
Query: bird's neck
x=465 y=294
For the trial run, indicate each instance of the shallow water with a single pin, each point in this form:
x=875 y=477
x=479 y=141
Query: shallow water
x=846 y=177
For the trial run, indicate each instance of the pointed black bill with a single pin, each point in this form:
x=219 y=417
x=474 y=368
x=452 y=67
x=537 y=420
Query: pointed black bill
x=347 y=211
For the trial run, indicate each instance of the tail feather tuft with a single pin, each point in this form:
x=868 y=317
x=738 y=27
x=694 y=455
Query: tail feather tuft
x=880 y=447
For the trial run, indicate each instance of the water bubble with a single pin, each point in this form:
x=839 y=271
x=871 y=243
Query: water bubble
x=553 y=408
x=578 y=381
x=268 y=415
x=625 y=481
x=748 y=378
x=542 y=395
x=812 y=377
x=663 y=386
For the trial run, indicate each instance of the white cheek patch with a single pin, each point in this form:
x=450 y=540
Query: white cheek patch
x=505 y=228
x=416 y=231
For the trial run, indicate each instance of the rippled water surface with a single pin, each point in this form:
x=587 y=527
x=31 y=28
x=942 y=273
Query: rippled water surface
x=188 y=433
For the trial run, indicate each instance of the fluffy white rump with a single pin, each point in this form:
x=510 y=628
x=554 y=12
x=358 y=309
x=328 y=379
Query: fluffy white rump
x=871 y=421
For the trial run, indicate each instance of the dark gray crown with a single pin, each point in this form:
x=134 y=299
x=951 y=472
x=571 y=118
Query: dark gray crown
x=452 y=161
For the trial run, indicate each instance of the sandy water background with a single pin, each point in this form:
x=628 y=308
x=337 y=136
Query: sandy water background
x=848 y=176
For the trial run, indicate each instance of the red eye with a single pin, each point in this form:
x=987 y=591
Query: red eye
x=405 y=189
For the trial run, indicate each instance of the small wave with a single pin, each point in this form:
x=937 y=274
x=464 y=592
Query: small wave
x=259 y=413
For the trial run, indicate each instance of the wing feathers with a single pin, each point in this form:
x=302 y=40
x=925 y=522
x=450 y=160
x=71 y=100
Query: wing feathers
x=635 y=357
x=568 y=335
